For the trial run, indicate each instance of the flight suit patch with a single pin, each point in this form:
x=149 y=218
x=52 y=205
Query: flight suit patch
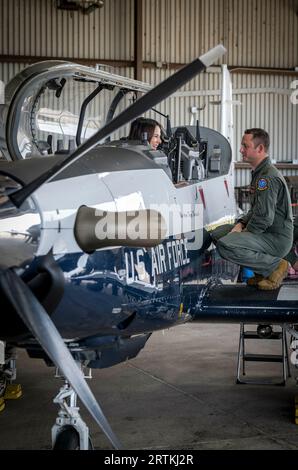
x=262 y=184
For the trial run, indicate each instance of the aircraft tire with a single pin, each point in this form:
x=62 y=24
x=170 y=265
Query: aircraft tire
x=67 y=439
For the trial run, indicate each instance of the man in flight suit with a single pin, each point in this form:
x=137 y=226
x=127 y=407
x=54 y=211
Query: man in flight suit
x=292 y=257
x=261 y=238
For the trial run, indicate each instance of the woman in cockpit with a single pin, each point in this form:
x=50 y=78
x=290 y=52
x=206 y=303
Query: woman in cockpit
x=146 y=129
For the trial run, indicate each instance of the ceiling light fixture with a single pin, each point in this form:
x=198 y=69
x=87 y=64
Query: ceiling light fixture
x=85 y=6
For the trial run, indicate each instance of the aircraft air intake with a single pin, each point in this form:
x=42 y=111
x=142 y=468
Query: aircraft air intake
x=95 y=229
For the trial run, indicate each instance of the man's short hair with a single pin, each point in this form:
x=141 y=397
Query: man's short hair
x=259 y=137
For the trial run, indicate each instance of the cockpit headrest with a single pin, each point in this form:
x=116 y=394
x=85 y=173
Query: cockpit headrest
x=186 y=135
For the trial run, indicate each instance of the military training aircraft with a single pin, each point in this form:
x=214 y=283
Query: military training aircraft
x=105 y=241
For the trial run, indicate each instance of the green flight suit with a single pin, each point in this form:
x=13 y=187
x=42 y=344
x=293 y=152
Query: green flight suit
x=268 y=234
x=291 y=256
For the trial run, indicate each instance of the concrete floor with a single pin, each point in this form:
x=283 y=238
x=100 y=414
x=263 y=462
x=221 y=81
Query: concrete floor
x=179 y=393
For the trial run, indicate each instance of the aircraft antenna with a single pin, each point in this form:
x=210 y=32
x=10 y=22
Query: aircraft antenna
x=169 y=127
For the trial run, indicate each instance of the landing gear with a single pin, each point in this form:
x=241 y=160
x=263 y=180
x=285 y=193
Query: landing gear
x=69 y=432
x=67 y=439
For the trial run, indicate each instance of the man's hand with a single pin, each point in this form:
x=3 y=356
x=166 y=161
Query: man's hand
x=238 y=227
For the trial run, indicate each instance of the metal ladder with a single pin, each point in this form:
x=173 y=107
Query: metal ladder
x=244 y=357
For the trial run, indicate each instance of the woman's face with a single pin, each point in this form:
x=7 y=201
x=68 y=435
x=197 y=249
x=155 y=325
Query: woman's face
x=155 y=139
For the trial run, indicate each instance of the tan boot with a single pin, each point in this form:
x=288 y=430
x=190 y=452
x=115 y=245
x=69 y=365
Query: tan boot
x=254 y=281
x=276 y=277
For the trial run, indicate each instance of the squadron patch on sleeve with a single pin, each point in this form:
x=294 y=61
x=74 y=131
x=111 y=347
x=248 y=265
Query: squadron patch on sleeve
x=262 y=184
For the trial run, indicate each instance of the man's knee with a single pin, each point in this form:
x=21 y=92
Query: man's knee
x=220 y=232
x=228 y=245
x=222 y=247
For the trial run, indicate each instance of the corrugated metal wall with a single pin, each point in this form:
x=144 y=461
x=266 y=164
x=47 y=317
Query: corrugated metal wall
x=244 y=175
x=265 y=102
x=36 y=27
x=256 y=34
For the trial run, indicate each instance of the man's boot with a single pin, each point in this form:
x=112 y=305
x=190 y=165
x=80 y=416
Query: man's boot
x=254 y=281
x=276 y=277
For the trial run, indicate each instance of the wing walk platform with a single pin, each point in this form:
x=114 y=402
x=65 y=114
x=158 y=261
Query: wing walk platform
x=240 y=303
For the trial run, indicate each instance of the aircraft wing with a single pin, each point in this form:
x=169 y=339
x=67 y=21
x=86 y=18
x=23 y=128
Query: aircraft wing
x=240 y=303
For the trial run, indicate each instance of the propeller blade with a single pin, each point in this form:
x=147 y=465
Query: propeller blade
x=39 y=323
x=143 y=104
